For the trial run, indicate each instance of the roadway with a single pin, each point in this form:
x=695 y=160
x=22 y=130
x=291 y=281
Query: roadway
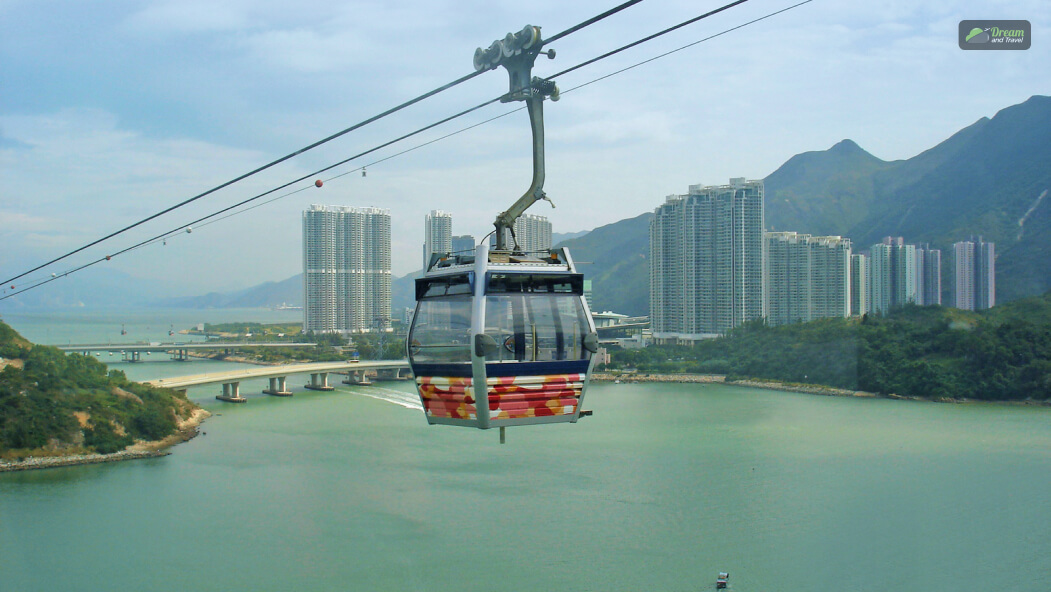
x=157 y=346
x=283 y=370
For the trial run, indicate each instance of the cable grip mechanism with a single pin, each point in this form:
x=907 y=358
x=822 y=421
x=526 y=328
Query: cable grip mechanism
x=517 y=52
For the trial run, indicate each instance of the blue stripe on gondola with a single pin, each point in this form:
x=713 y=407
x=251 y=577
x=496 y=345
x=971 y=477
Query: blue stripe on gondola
x=441 y=369
x=502 y=369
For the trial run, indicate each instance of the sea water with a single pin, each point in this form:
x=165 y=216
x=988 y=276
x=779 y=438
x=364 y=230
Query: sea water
x=665 y=486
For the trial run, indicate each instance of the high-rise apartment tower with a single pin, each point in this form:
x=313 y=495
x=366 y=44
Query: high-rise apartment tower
x=706 y=261
x=892 y=274
x=975 y=274
x=807 y=277
x=533 y=234
x=438 y=234
x=346 y=269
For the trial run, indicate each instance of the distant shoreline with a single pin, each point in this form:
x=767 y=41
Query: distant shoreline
x=811 y=389
x=187 y=430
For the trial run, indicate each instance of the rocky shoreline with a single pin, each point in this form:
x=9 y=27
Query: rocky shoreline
x=187 y=429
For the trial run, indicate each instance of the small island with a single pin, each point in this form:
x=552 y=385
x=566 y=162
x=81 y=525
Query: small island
x=59 y=410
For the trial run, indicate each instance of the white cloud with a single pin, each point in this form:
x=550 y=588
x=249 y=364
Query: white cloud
x=188 y=16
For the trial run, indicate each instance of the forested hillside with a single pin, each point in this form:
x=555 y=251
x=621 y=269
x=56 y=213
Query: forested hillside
x=934 y=352
x=51 y=402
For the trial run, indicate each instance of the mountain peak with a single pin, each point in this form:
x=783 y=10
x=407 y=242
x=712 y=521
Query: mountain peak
x=849 y=148
x=846 y=145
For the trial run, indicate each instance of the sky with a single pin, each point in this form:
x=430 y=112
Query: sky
x=113 y=111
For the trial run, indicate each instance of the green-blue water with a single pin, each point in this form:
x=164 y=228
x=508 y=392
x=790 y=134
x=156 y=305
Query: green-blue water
x=664 y=487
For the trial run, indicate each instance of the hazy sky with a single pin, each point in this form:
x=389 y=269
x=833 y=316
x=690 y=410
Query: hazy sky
x=111 y=111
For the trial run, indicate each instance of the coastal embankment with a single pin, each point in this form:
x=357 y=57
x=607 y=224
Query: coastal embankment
x=186 y=429
x=636 y=377
x=813 y=389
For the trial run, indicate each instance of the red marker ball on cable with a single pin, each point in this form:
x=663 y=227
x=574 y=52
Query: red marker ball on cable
x=318 y=183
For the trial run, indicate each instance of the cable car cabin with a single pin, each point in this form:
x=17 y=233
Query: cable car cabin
x=516 y=326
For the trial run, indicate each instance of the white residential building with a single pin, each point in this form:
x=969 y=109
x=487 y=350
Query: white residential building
x=463 y=244
x=346 y=269
x=892 y=274
x=706 y=261
x=532 y=233
x=975 y=280
x=438 y=233
x=806 y=277
x=928 y=275
x=859 y=284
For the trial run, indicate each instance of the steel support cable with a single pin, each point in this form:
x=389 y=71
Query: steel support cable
x=678 y=49
x=364 y=166
x=309 y=147
x=590 y=21
x=648 y=38
x=174 y=232
x=252 y=172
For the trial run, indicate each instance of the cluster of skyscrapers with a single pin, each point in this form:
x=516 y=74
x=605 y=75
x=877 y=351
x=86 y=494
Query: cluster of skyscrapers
x=898 y=273
x=531 y=233
x=712 y=268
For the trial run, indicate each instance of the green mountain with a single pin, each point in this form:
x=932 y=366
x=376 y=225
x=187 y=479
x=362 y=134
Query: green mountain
x=988 y=179
x=615 y=258
x=823 y=192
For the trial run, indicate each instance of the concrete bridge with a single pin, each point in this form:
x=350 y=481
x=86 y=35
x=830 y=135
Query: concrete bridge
x=132 y=352
x=278 y=375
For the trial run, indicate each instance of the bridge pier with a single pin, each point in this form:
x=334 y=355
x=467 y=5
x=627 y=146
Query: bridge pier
x=232 y=393
x=278 y=388
x=389 y=374
x=180 y=355
x=319 y=382
x=357 y=377
x=131 y=355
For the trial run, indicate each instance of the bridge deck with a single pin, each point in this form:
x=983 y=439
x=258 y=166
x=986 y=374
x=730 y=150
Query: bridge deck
x=154 y=346
x=179 y=382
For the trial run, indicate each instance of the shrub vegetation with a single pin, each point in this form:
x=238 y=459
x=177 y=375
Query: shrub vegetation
x=50 y=401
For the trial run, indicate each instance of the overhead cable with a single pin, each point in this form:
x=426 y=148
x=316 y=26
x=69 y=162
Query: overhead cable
x=648 y=38
x=180 y=228
x=307 y=148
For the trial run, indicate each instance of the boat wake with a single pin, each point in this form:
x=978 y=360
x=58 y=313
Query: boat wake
x=407 y=400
